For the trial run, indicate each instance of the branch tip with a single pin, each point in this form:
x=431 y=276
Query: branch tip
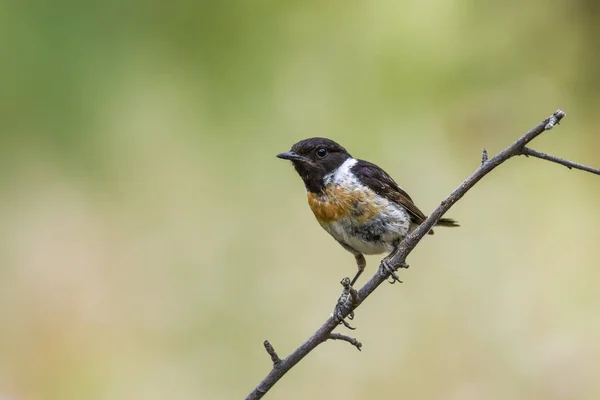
x=351 y=340
x=555 y=119
x=526 y=151
x=484 y=156
x=274 y=357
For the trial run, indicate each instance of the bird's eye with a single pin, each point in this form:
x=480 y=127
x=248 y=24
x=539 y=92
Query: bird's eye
x=321 y=152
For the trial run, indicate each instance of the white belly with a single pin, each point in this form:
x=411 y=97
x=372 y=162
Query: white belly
x=373 y=225
x=373 y=237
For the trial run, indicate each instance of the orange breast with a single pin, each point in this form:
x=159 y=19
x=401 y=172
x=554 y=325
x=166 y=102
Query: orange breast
x=336 y=203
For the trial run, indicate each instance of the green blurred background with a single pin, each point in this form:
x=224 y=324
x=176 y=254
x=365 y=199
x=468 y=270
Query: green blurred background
x=150 y=240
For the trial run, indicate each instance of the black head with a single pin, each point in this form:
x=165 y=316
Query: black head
x=315 y=158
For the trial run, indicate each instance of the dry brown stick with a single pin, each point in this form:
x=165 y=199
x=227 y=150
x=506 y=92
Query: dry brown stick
x=569 y=164
x=398 y=258
x=274 y=357
x=351 y=340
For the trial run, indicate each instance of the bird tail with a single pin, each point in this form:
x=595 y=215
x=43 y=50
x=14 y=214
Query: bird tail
x=449 y=222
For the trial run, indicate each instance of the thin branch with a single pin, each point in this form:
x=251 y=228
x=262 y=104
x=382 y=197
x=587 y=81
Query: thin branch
x=274 y=357
x=569 y=164
x=351 y=340
x=554 y=119
x=398 y=257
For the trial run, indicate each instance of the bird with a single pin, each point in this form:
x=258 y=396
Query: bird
x=355 y=201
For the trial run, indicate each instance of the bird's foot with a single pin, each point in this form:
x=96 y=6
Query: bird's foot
x=387 y=269
x=346 y=303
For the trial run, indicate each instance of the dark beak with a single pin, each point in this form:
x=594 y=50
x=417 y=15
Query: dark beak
x=290 y=155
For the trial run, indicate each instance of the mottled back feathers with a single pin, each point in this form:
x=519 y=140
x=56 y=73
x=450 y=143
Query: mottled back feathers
x=381 y=183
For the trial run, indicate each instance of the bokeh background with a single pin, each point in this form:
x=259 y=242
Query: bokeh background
x=150 y=240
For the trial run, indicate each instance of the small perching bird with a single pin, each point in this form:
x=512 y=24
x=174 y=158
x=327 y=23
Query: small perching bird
x=355 y=201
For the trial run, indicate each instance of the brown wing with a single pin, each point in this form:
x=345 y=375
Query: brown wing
x=382 y=184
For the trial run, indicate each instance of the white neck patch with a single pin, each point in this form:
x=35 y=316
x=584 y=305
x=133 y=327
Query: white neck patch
x=342 y=172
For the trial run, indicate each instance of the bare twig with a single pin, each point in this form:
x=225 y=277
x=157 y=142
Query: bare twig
x=569 y=164
x=351 y=340
x=274 y=357
x=398 y=258
x=554 y=119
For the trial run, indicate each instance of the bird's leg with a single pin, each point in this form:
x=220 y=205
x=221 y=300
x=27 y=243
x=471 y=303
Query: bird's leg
x=349 y=297
x=361 y=263
x=347 y=301
x=387 y=268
